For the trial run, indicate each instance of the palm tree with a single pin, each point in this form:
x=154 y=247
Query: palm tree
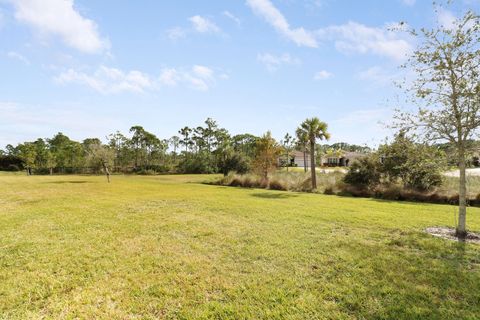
x=313 y=129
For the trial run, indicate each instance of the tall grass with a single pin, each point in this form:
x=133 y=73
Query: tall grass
x=332 y=183
x=287 y=181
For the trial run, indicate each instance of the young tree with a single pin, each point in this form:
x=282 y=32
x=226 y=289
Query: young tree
x=100 y=155
x=267 y=153
x=313 y=129
x=447 y=91
x=288 y=144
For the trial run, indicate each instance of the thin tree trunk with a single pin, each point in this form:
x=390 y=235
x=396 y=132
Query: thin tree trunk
x=107 y=172
x=312 y=165
x=462 y=201
x=51 y=171
x=305 y=159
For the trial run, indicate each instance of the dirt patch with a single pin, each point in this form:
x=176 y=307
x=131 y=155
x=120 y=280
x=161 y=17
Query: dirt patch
x=449 y=233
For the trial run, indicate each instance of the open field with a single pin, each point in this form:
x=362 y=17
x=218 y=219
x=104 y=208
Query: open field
x=170 y=247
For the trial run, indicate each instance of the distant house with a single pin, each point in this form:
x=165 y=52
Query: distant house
x=297 y=159
x=343 y=160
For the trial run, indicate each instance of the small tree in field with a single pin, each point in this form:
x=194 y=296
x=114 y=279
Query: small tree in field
x=447 y=89
x=103 y=156
x=266 y=155
x=313 y=129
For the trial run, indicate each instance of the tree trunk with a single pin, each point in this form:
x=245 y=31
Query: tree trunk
x=462 y=200
x=305 y=159
x=107 y=172
x=51 y=171
x=312 y=165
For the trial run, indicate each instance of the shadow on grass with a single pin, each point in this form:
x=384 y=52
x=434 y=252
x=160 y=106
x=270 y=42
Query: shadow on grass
x=68 y=181
x=272 y=195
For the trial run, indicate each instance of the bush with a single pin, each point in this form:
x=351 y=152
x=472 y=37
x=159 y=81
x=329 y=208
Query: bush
x=418 y=166
x=328 y=191
x=196 y=164
x=277 y=185
x=364 y=173
x=234 y=163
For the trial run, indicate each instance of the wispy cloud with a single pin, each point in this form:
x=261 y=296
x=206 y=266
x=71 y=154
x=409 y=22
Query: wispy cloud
x=59 y=18
x=176 y=33
x=277 y=20
x=198 y=77
x=354 y=37
x=203 y=25
x=232 y=17
x=322 y=75
x=351 y=37
x=409 y=3
x=19 y=57
x=273 y=62
x=106 y=80
x=198 y=24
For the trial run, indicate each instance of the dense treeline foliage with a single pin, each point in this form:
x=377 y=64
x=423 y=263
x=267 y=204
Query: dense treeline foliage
x=204 y=149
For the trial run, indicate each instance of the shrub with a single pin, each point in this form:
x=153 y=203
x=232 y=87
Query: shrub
x=418 y=166
x=364 y=173
x=276 y=184
x=328 y=191
x=234 y=163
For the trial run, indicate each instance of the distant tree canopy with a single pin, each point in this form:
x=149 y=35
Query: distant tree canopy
x=204 y=149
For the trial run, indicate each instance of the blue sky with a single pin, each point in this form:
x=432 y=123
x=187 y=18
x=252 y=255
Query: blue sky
x=88 y=68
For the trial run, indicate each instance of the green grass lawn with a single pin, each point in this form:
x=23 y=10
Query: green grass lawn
x=171 y=247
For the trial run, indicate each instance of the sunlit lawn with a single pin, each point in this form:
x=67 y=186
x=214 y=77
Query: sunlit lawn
x=171 y=247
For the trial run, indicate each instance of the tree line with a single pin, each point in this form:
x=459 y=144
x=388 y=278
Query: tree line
x=208 y=148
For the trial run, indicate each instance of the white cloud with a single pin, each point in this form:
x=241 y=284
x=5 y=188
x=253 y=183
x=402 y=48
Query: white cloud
x=354 y=37
x=277 y=20
x=176 y=33
x=203 y=72
x=169 y=77
x=203 y=25
x=199 y=24
x=18 y=56
x=59 y=18
x=380 y=76
x=322 y=75
x=231 y=16
x=273 y=62
x=107 y=80
x=198 y=77
x=409 y=3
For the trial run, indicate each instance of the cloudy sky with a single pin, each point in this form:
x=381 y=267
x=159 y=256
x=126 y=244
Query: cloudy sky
x=88 y=67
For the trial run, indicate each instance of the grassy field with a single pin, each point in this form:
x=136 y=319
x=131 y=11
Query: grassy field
x=171 y=247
